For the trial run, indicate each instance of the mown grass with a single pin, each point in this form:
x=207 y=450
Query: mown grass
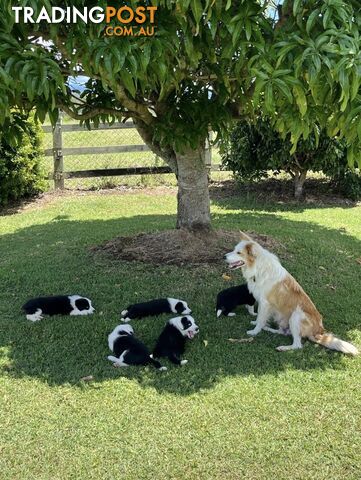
x=236 y=411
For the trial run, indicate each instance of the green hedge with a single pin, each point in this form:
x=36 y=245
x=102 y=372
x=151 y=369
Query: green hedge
x=21 y=173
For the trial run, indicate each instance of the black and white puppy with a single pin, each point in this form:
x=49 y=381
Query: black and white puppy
x=57 y=305
x=230 y=298
x=128 y=350
x=155 y=307
x=171 y=342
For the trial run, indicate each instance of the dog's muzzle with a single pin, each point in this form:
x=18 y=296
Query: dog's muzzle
x=235 y=265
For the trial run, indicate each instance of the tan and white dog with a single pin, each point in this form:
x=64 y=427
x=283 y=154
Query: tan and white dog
x=281 y=298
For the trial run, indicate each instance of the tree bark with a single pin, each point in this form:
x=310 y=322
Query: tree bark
x=299 y=180
x=193 y=212
x=193 y=205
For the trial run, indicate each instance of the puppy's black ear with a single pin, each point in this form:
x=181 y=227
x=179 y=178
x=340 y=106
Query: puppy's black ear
x=186 y=323
x=82 y=304
x=179 y=307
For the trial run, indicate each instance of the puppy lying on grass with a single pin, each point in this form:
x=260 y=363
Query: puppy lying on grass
x=35 y=308
x=155 y=307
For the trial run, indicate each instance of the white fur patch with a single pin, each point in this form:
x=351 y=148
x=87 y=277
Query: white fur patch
x=76 y=311
x=118 y=331
x=189 y=332
x=173 y=302
x=119 y=362
x=35 y=317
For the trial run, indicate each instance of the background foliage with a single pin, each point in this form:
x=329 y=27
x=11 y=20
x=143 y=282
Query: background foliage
x=208 y=63
x=254 y=151
x=21 y=172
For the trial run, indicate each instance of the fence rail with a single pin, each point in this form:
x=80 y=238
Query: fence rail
x=58 y=152
x=96 y=150
x=80 y=128
x=113 y=172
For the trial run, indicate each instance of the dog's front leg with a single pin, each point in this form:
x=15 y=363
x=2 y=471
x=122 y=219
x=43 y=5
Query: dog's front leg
x=177 y=361
x=262 y=318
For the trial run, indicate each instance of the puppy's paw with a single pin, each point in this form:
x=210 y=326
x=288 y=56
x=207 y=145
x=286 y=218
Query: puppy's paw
x=184 y=362
x=125 y=320
x=284 y=348
x=231 y=314
x=162 y=369
x=253 y=332
x=253 y=322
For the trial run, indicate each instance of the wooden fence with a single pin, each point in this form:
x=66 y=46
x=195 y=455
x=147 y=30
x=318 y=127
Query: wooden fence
x=59 y=153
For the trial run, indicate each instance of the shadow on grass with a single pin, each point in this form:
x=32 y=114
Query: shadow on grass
x=277 y=195
x=55 y=258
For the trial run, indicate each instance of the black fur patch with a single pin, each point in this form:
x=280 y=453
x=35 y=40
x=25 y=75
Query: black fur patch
x=82 y=304
x=179 y=307
x=186 y=323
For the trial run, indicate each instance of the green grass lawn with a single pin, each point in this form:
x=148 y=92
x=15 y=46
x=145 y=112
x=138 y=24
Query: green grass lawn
x=236 y=411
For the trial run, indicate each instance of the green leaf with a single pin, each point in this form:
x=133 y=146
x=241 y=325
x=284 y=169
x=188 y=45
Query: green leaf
x=296 y=6
x=326 y=18
x=248 y=26
x=268 y=96
x=355 y=85
x=284 y=89
x=196 y=6
x=311 y=20
x=128 y=82
x=300 y=99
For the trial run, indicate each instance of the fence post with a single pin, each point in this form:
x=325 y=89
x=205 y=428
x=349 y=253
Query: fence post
x=58 y=155
x=208 y=151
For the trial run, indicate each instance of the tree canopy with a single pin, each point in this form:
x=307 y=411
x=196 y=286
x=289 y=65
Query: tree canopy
x=208 y=62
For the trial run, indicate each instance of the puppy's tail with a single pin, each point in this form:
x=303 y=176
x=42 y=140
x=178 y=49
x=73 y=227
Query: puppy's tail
x=328 y=340
x=156 y=364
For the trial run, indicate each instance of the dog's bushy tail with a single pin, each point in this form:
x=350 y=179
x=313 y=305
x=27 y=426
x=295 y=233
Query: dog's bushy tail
x=156 y=364
x=328 y=340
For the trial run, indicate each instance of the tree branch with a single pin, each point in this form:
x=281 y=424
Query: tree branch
x=92 y=113
x=283 y=15
x=168 y=154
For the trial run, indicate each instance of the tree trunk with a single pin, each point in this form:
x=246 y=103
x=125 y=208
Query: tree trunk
x=193 y=195
x=299 y=180
x=190 y=168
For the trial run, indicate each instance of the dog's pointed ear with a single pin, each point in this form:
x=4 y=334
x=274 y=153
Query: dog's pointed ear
x=251 y=249
x=244 y=236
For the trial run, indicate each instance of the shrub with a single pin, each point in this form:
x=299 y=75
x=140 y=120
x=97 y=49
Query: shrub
x=349 y=184
x=253 y=150
x=21 y=174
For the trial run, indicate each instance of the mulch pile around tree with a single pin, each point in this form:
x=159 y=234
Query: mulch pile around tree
x=179 y=247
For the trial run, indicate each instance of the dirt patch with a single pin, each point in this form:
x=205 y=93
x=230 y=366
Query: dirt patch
x=179 y=247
